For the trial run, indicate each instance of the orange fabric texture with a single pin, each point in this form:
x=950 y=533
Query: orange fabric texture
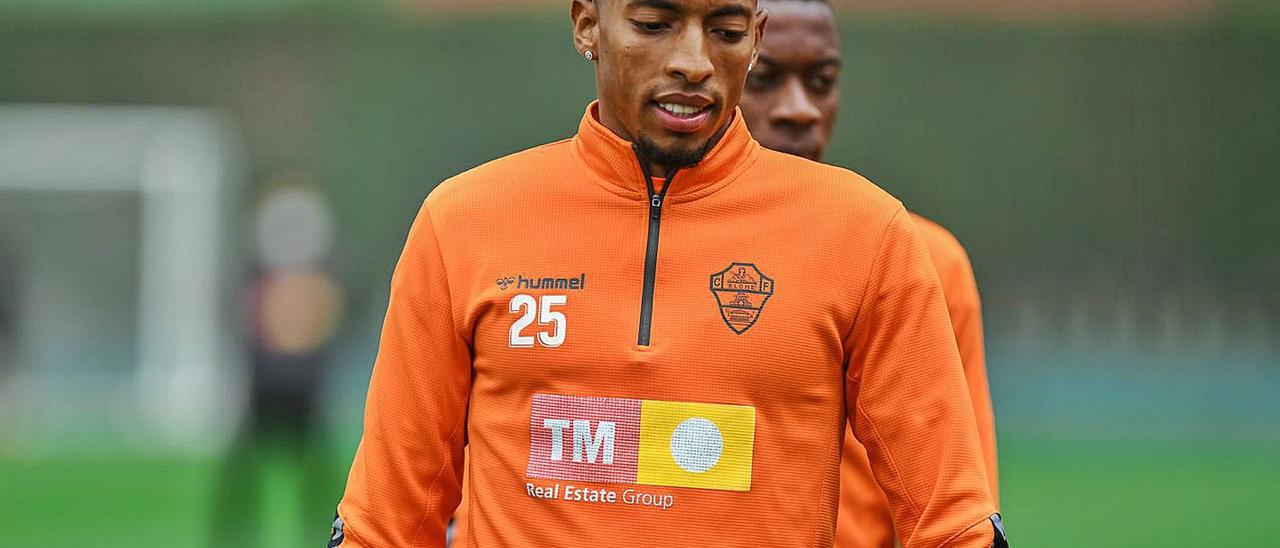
x=865 y=519
x=462 y=517
x=788 y=298
x=960 y=288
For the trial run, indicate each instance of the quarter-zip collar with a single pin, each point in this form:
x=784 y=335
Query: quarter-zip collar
x=613 y=160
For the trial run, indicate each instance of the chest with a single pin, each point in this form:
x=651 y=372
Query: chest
x=705 y=299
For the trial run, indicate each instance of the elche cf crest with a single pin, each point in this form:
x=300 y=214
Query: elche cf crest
x=741 y=291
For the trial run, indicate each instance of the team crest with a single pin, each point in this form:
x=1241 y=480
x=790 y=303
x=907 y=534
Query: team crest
x=741 y=291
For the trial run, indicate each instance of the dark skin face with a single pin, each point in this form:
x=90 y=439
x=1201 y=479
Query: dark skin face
x=668 y=72
x=790 y=102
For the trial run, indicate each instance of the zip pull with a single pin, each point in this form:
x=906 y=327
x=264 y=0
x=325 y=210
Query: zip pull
x=655 y=206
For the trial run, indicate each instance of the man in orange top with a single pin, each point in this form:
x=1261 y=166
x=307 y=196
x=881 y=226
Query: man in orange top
x=790 y=105
x=654 y=332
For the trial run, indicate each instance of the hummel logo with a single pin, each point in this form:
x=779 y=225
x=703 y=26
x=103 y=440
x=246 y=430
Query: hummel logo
x=521 y=282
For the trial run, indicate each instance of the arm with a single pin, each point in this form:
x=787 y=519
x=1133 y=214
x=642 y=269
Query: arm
x=405 y=481
x=965 y=307
x=908 y=404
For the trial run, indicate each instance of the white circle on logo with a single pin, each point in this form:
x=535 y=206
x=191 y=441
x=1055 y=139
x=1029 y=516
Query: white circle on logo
x=696 y=445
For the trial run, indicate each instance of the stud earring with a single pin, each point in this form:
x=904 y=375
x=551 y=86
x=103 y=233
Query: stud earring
x=590 y=56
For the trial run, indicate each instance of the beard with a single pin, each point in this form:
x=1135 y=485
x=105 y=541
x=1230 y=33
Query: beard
x=672 y=158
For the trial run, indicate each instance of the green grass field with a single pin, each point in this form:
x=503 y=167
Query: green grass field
x=1055 y=494
x=1128 y=494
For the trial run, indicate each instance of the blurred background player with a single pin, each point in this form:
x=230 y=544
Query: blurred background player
x=293 y=306
x=8 y=307
x=790 y=105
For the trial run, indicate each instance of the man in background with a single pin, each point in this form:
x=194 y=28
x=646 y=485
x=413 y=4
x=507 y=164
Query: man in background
x=790 y=105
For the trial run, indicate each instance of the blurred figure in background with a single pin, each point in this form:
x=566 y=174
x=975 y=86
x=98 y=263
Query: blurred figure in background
x=8 y=307
x=790 y=104
x=293 y=309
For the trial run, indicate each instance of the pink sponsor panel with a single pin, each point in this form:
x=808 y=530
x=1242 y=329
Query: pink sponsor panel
x=599 y=438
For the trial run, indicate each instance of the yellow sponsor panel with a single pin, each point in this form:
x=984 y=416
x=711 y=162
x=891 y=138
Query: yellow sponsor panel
x=703 y=445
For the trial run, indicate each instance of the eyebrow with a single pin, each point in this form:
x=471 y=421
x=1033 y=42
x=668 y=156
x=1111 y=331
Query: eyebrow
x=732 y=9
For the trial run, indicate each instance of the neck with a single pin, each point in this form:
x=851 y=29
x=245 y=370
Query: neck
x=657 y=170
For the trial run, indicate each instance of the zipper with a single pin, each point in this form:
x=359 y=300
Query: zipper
x=651 y=248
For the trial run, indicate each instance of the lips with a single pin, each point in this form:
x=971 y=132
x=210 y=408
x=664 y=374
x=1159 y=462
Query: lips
x=683 y=113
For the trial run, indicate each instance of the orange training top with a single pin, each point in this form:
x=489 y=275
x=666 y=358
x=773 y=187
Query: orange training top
x=638 y=362
x=865 y=519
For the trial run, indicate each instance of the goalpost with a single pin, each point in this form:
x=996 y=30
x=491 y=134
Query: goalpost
x=178 y=384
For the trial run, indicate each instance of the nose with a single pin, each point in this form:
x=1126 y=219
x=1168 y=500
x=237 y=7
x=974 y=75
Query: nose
x=794 y=107
x=690 y=61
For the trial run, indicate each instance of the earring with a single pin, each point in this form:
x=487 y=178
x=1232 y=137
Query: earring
x=750 y=66
x=590 y=56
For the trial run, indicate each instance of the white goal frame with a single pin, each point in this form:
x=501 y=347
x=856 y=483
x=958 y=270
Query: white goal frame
x=187 y=391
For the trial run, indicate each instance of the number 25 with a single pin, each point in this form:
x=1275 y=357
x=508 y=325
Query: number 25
x=527 y=307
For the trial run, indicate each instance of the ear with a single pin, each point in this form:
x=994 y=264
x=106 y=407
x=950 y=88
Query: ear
x=762 y=20
x=586 y=24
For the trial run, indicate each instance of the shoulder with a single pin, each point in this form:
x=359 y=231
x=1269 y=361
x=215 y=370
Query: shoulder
x=822 y=187
x=949 y=259
x=500 y=175
x=945 y=249
x=495 y=183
